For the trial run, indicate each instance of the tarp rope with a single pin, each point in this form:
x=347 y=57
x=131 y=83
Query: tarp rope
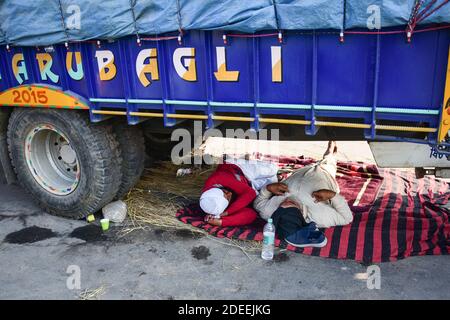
x=3 y=33
x=423 y=14
x=159 y=38
x=418 y=16
x=413 y=17
x=346 y=32
x=279 y=34
x=133 y=14
x=180 y=25
x=344 y=11
x=63 y=24
x=399 y=31
x=277 y=21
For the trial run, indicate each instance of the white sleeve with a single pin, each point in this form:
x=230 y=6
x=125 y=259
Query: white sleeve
x=344 y=214
x=266 y=203
x=334 y=213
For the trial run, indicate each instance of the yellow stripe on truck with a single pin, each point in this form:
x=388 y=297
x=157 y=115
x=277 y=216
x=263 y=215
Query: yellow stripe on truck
x=445 y=120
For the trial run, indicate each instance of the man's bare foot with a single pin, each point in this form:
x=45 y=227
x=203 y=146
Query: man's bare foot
x=332 y=148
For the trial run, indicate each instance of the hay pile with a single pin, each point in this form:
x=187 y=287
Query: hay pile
x=160 y=193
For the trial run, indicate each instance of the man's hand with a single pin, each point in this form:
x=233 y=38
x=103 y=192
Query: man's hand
x=323 y=195
x=277 y=188
x=213 y=220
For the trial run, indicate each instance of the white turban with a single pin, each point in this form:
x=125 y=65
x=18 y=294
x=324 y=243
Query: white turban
x=213 y=202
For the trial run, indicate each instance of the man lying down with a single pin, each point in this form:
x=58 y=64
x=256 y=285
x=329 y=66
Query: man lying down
x=228 y=194
x=308 y=199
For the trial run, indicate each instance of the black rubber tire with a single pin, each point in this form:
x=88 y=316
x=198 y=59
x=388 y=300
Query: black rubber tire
x=97 y=152
x=132 y=149
x=159 y=146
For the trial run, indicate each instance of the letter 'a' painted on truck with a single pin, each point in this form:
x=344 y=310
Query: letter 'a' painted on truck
x=378 y=83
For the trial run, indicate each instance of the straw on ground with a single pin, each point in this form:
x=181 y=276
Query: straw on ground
x=160 y=194
x=92 y=294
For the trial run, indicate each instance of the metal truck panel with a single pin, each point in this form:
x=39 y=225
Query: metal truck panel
x=377 y=82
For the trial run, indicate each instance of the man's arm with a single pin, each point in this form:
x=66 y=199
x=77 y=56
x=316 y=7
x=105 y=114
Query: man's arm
x=334 y=212
x=244 y=193
x=266 y=203
x=344 y=214
x=245 y=196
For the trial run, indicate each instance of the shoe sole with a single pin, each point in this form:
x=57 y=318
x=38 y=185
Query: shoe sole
x=314 y=245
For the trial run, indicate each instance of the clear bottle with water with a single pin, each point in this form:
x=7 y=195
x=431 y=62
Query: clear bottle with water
x=269 y=241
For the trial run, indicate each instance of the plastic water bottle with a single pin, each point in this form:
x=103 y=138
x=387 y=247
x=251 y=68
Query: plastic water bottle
x=183 y=172
x=269 y=241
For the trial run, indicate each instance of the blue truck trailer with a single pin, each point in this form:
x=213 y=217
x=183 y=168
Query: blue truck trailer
x=83 y=83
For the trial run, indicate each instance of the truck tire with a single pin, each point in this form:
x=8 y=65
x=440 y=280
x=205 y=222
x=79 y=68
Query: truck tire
x=132 y=149
x=159 y=145
x=71 y=167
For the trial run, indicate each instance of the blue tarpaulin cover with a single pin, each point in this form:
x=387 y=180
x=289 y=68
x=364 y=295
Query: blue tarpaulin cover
x=45 y=22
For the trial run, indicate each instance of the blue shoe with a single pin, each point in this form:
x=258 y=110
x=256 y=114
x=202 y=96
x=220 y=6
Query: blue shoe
x=307 y=238
x=312 y=226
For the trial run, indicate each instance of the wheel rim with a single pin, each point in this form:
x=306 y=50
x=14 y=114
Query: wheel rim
x=51 y=160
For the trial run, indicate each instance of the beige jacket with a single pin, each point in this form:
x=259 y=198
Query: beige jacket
x=302 y=183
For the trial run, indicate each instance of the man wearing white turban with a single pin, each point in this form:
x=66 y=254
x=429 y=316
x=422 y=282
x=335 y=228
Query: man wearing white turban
x=227 y=197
